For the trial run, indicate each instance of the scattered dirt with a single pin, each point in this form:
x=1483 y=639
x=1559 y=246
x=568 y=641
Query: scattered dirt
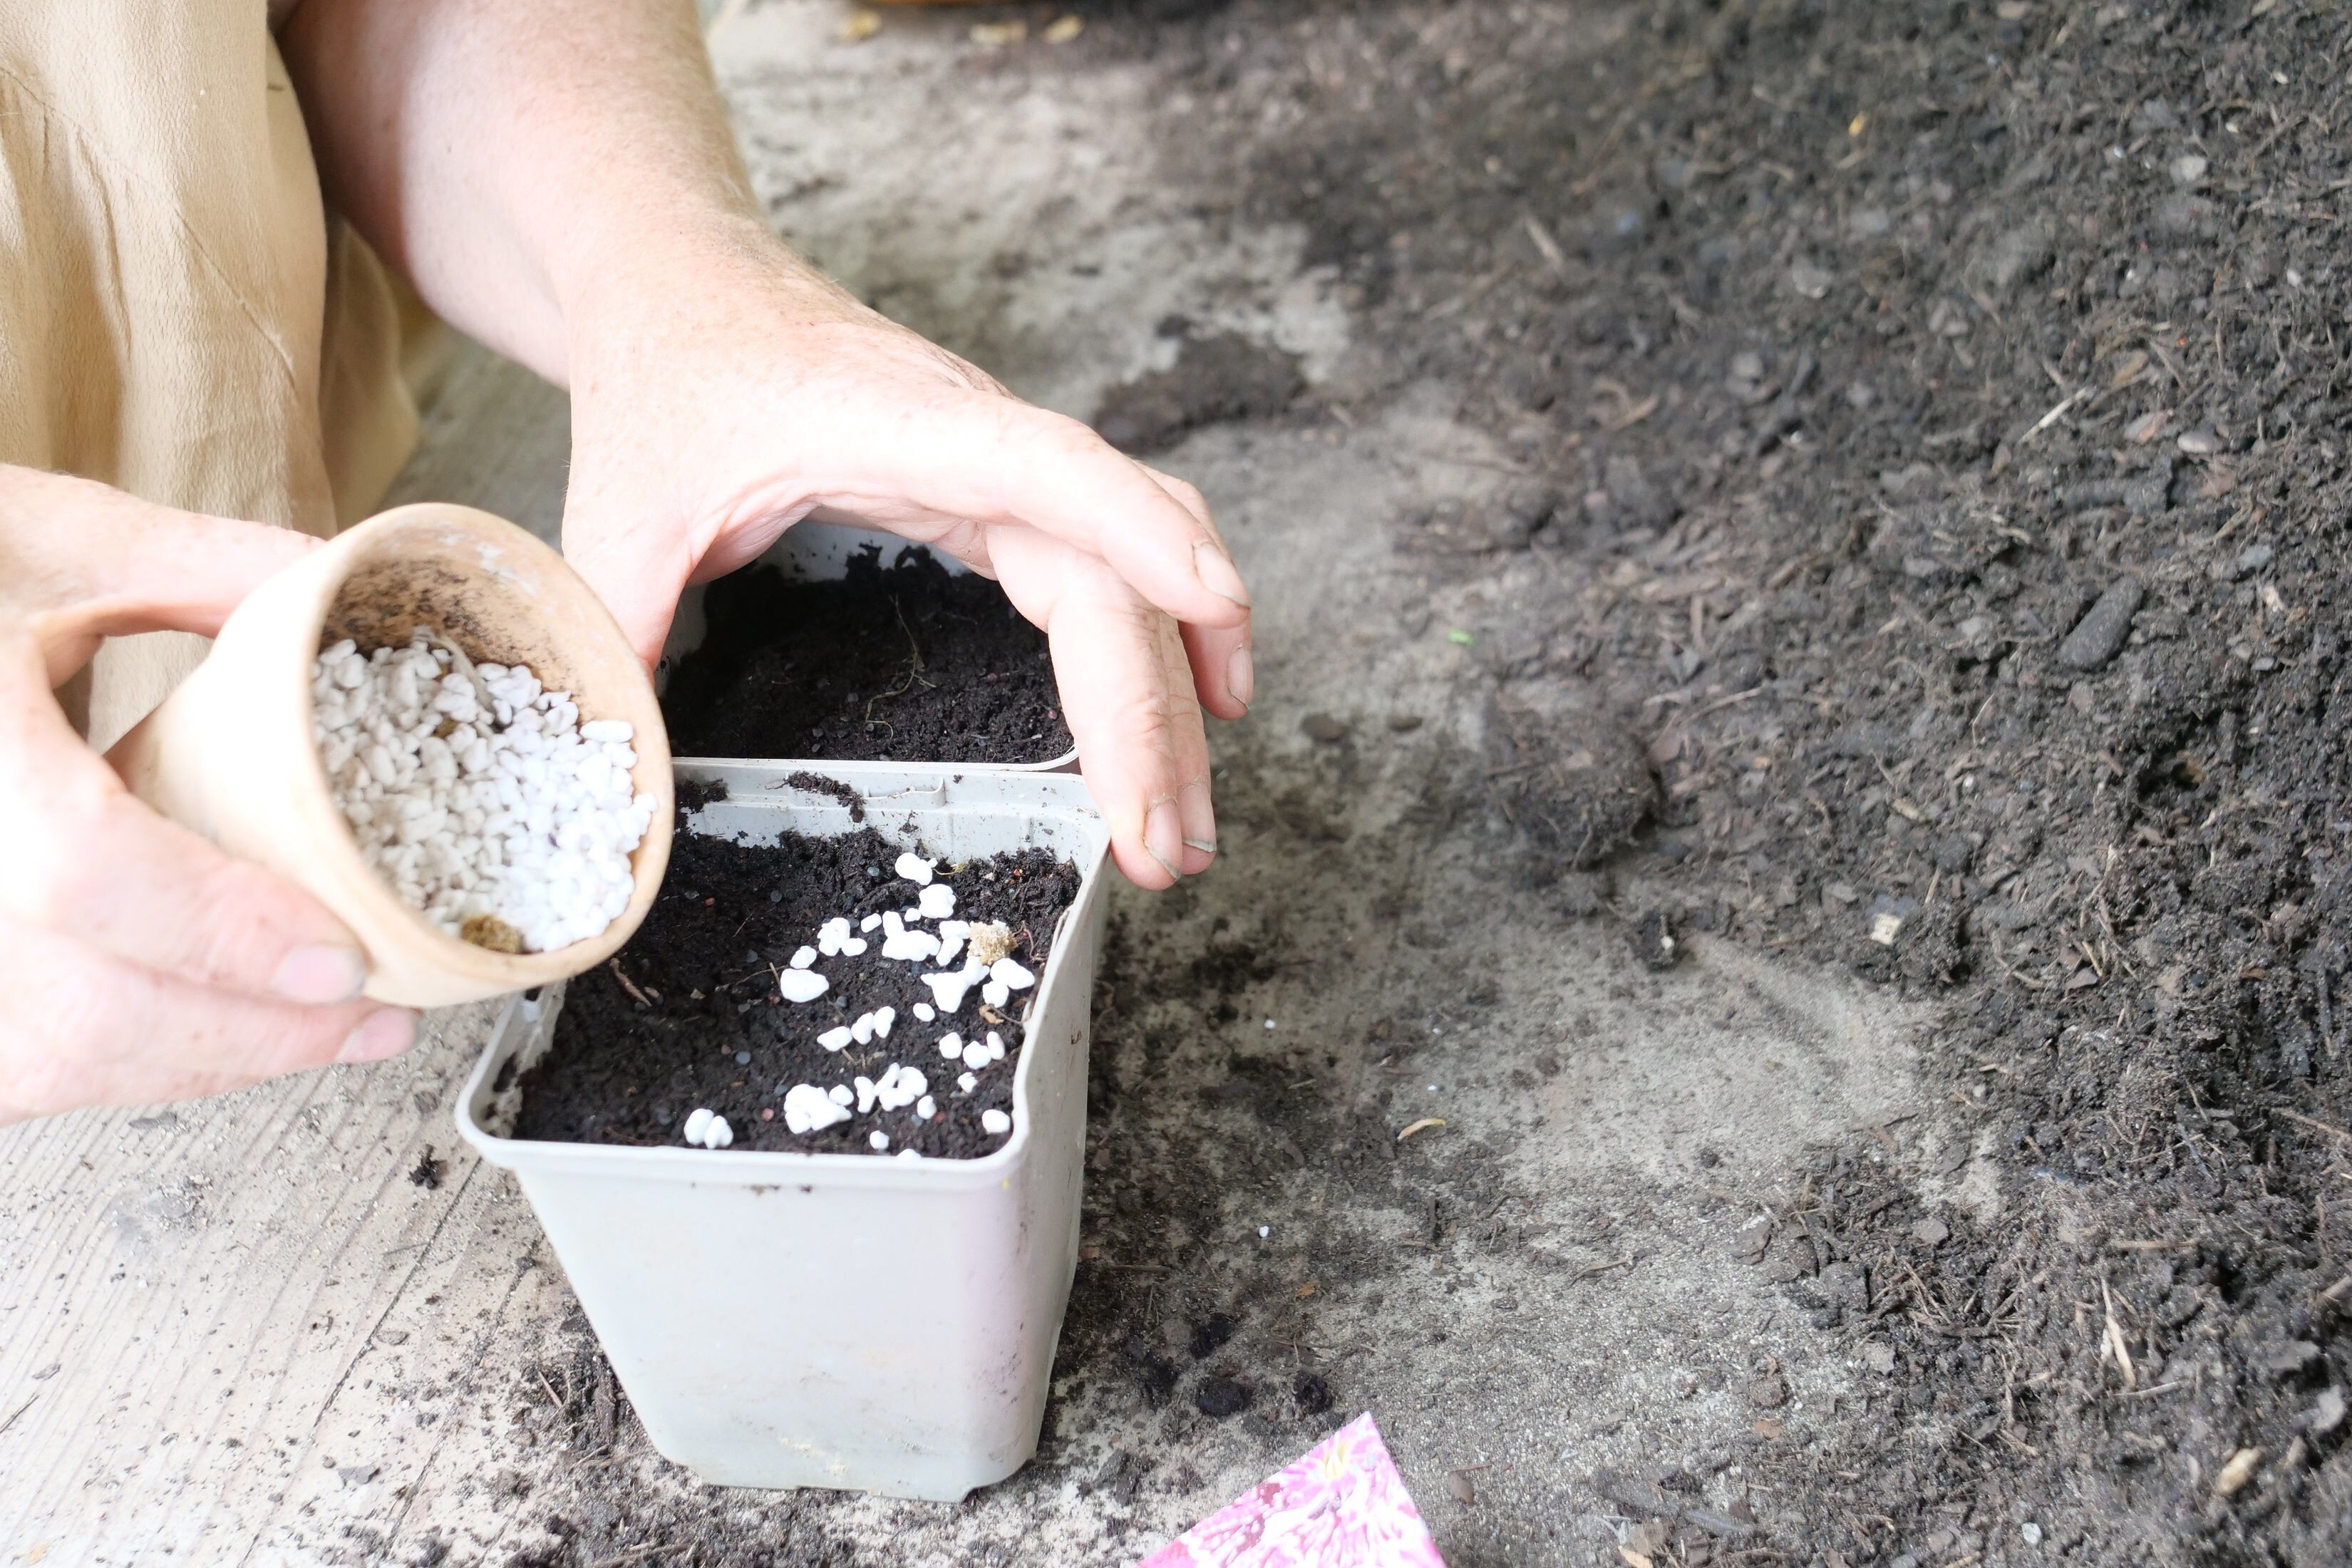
x=687 y=1015
x=1947 y=401
x=428 y=1170
x=903 y=662
x=1576 y=782
x=1215 y=378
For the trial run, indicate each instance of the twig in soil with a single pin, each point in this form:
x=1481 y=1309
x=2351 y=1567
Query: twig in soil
x=1624 y=1262
x=626 y=983
x=2112 y=1346
x=2314 y=1124
x=2052 y=417
x=2150 y=1392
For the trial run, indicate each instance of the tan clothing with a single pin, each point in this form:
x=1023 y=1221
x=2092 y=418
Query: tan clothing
x=179 y=315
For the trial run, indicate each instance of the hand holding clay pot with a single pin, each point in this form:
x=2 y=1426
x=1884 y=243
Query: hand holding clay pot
x=139 y=963
x=235 y=753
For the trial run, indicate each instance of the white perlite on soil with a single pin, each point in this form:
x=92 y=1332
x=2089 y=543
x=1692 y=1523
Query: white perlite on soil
x=987 y=963
x=484 y=801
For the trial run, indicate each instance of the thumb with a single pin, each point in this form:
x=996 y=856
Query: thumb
x=638 y=570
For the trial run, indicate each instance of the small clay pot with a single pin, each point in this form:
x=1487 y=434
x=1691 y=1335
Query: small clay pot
x=230 y=753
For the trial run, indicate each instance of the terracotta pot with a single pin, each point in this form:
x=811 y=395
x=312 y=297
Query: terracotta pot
x=230 y=753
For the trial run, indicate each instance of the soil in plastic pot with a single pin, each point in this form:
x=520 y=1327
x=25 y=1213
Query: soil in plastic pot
x=690 y=1016
x=901 y=662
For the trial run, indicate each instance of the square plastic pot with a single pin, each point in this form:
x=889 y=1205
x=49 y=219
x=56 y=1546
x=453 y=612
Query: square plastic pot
x=867 y=1323
x=821 y=552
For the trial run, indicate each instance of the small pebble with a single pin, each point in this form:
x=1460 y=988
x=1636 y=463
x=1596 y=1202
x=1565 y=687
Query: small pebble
x=697 y=1122
x=883 y=1018
x=938 y=901
x=925 y=1013
x=864 y=1094
x=877 y=1139
x=908 y=1154
x=1010 y=974
x=995 y=1046
x=951 y=1046
x=975 y=1056
x=862 y=1031
x=2099 y=636
x=914 y=869
x=925 y=1108
x=967 y=1082
x=1263 y=1231
x=834 y=1040
x=803 y=958
x=870 y=922
x=996 y=994
x=839 y=1094
x=718 y=1135
x=995 y=1123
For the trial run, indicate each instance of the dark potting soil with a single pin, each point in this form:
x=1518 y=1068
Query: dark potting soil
x=687 y=1015
x=897 y=662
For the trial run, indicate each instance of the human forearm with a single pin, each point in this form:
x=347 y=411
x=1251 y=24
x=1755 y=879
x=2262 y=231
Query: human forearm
x=517 y=161
x=559 y=181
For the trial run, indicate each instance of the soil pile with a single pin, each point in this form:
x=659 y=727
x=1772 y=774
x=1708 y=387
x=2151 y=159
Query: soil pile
x=1943 y=410
x=902 y=662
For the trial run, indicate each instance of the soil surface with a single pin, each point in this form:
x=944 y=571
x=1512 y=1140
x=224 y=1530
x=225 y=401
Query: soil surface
x=898 y=662
x=687 y=1015
x=1929 y=421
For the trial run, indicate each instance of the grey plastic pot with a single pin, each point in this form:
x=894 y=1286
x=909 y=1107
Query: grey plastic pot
x=871 y=1323
x=821 y=552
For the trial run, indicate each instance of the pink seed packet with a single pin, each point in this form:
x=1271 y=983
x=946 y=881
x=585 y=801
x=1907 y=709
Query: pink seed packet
x=1342 y=1505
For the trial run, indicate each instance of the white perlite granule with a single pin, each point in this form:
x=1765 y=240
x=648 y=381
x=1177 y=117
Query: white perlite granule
x=510 y=828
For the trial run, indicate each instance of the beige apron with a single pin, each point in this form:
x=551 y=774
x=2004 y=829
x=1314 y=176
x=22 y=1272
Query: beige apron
x=179 y=316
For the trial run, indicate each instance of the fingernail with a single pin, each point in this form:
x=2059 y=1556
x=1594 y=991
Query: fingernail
x=1163 y=836
x=1218 y=574
x=386 y=1032
x=1205 y=846
x=1241 y=676
x=323 y=972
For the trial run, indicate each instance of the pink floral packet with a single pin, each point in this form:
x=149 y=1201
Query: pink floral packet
x=1342 y=1505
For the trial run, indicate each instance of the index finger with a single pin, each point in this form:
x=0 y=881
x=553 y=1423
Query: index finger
x=995 y=461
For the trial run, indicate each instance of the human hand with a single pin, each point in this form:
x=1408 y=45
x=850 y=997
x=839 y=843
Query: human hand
x=757 y=394
x=139 y=962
